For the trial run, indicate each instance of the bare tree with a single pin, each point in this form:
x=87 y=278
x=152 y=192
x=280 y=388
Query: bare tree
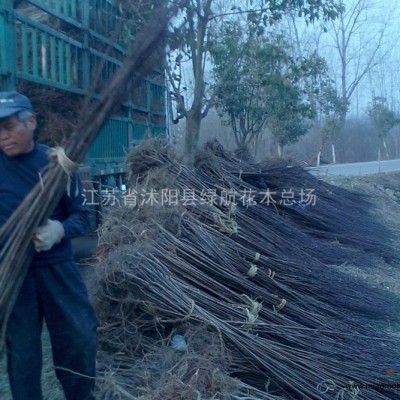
x=359 y=35
x=355 y=45
x=325 y=101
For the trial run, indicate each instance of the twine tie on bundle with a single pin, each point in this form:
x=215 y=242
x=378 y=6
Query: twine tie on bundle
x=68 y=166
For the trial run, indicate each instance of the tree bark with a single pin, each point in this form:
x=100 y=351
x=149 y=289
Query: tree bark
x=333 y=154
x=319 y=158
x=193 y=124
x=280 y=150
x=386 y=148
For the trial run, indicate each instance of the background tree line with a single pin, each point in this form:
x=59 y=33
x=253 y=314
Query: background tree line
x=299 y=78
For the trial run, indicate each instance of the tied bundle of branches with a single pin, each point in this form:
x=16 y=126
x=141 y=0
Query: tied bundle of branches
x=294 y=325
x=16 y=235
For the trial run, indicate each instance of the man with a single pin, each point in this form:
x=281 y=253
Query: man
x=53 y=289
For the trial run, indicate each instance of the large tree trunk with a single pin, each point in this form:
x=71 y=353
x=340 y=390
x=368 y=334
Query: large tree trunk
x=386 y=148
x=256 y=144
x=196 y=38
x=193 y=124
x=280 y=150
x=333 y=154
x=318 y=158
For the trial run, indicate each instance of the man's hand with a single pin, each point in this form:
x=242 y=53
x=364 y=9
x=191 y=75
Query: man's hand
x=47 y=235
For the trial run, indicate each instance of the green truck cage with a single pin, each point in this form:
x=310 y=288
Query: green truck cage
x=68 y=44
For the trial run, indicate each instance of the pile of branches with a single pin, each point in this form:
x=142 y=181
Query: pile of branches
x=255 y=289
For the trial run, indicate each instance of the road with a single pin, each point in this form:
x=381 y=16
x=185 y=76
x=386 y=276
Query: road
x=372 y=167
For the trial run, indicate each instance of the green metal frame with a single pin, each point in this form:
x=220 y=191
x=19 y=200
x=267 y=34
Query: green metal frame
x=8 y=58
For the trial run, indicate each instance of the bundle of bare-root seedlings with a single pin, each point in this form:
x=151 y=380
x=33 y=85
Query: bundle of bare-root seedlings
x=206 y=290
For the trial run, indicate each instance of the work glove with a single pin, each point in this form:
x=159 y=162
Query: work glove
x=47 y=235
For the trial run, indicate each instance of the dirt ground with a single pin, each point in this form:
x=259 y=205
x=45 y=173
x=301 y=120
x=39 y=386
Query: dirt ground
x=384 y=192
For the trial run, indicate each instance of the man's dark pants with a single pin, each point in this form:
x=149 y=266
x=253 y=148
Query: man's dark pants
x=58 y=294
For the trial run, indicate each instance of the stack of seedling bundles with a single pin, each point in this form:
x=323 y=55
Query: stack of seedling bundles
x=241 y=262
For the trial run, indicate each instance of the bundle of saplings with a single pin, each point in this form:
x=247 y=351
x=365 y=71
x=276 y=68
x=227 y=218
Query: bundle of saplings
x=225 y=283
